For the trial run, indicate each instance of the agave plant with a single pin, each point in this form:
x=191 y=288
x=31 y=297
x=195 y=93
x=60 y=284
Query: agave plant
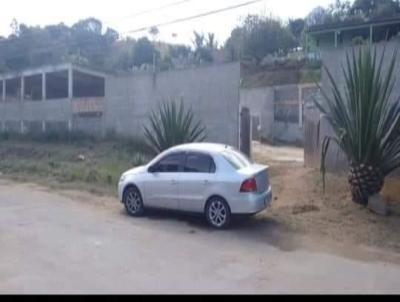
x=365 y=118
x=170 y=125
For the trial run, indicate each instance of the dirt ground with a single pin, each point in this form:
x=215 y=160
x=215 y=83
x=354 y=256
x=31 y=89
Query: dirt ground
x=301 y=205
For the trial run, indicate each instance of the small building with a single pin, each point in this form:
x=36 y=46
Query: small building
x=64 y=98
x=350 y=33
x=50 y=97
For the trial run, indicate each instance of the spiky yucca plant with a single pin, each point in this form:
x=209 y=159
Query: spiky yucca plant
x=365 y=118
x=170 y=125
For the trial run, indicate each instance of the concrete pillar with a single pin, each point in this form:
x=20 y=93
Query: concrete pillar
x=44 y=126
x=43 y=86
x=70 y=83
x=306 y=47
x=336 y=39
x=69 y=125
x=22 y=88
x=22 y=127
x=3 y=97
x=300 y=106
x=371 y=34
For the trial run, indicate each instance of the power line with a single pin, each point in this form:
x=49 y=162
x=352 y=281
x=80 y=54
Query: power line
x=213 y=12
x=152 y=10
x=10 y=39
x=70 y=44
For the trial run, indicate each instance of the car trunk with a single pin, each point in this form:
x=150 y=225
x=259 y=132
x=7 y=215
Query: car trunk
x=260 y=173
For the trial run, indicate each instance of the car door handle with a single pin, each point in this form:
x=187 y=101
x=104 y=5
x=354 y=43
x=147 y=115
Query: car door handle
x=174 y=182
x=206 y=182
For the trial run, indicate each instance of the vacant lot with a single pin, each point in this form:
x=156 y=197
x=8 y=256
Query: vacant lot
x=300 y=206
x=85 y=164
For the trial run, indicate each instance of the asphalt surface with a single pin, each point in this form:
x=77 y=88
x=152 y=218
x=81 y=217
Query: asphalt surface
x=52 y=242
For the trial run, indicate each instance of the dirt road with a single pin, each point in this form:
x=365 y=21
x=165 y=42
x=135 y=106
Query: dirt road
x=78 y=243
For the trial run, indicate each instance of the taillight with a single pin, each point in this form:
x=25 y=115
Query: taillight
x=249 y=186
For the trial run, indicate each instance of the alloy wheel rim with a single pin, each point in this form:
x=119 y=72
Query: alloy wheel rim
x=133 y=202
x=218 y=213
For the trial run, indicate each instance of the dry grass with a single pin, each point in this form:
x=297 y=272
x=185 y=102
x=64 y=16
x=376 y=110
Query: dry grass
x=301 y=204
x=86 y=165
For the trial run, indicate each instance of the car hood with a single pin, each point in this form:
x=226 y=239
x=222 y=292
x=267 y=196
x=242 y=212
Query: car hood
x=137 y=170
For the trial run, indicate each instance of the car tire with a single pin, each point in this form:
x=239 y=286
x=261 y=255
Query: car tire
x=133 y=201
x=218 y=213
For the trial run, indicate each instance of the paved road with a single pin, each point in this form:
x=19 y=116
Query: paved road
x=58 y=243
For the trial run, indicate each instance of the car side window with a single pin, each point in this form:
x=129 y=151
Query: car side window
x=199 y=163
x=170 y=164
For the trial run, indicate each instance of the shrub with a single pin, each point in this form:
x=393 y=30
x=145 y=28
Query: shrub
x=170 y=125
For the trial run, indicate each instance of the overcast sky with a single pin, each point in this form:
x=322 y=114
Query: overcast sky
x=116 y=14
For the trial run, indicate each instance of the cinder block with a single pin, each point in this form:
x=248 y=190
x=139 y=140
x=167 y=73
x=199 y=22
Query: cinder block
x=378 y=205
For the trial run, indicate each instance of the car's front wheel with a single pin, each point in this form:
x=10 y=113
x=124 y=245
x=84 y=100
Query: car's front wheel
x=133 y=201
x=218 y=213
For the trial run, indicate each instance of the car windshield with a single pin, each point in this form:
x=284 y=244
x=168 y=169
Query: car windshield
x=237 y=159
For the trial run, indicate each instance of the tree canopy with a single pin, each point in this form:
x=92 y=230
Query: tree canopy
x=360 y=10
x=86 y=42
x=260 y=36
x=89 y=43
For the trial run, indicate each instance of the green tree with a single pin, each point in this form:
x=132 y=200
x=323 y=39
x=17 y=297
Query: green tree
x=143 y=52
x=371 y=9
x=263 y=36
x=296 y=27
x=258 y=37
x=203 y=47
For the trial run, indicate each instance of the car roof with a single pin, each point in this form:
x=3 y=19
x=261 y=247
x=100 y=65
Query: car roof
x=205 y=147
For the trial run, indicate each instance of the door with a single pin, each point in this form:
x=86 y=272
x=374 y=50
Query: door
x=198 y=178
x=162 y=189
x=245 y=131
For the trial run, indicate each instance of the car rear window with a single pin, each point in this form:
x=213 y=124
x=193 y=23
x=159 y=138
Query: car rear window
x=199 y=163
x=237 y=159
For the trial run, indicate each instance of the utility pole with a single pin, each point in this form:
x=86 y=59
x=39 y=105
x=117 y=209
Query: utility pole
x=154 y=32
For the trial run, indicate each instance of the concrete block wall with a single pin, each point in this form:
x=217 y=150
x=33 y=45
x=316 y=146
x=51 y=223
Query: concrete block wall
x=26 y=116
x=212 y=93
x=334 y=59
x=261 y=102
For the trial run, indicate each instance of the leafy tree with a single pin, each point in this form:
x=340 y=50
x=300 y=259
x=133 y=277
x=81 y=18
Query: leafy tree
x=296 y=27
x=203 y=47
x=211 y=42
x=84 y=42
x=317 y=16
x=262 y=36
x=143 y=52
x=360 y=10
x=234 y=44
x=371 y=9
x=258 y=37
x=337 y=12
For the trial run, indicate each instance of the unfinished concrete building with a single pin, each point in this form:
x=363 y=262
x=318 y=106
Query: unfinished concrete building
x=62 y=97
x=71 y=98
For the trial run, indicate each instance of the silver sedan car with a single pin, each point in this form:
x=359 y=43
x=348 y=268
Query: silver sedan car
x=215 y=180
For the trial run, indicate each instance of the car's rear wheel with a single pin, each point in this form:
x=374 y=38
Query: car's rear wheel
x=133 y=201
x=218 y=213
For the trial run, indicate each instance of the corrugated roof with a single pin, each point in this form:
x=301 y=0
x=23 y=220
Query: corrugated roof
x=350 y=24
